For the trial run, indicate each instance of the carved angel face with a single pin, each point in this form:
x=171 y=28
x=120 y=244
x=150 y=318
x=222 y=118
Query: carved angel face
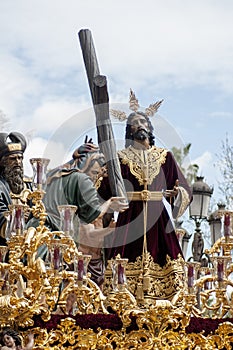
x=8 y=341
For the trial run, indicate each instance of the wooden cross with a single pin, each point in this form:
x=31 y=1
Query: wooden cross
x=100 y=99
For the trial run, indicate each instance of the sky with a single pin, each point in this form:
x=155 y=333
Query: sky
x=178 y=50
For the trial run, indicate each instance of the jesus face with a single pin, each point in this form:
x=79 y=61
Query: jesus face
x=139 y=127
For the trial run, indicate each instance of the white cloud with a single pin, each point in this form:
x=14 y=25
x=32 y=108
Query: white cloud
x=16 y=84
x=221 y=114
x=150 y=46
x=37 y=149
x=208 y=169
x=53 y=113
x=173 y=41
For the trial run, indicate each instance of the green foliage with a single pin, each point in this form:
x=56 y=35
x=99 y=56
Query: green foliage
x=189 y=170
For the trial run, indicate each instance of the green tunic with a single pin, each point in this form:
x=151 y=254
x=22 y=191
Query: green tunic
x=69 y=187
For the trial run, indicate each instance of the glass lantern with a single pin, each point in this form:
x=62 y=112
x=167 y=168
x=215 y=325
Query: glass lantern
x=39 y=167
x=118 y=266
x=55 y=254
x=4 y=271
x=191 y=270
x=221 y=264
x=198 y=209
x=15 y=220
x=3 y=252
x=66 y=219
x=81 y=262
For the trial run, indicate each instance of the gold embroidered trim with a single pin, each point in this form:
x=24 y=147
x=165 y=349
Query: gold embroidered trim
x=157 y=282
x=185 y=200
x=144 y=164
x=145 y=195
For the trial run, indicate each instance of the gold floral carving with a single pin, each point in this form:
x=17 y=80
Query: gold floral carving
x=156 y=302
x=148 y=336
x=144 y=164
x=156 y=282
x=28 y=287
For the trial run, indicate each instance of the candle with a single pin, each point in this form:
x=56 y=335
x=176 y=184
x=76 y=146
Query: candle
x=227 y=221
x=56 y=258
x=39 y=169
x=18 y=218
x=67 y=218
x=3 y=252
x=207 y=284
x=190 y=276
x=4 y=286
x=80 y=270
x=121 y=272
x=220 y=267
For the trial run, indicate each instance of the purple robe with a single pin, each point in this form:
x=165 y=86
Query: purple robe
x=161 y=239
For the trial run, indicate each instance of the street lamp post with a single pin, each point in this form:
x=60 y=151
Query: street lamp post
x=215 y=223
x=198 y=211
x=182 y=235
x=185 y=242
